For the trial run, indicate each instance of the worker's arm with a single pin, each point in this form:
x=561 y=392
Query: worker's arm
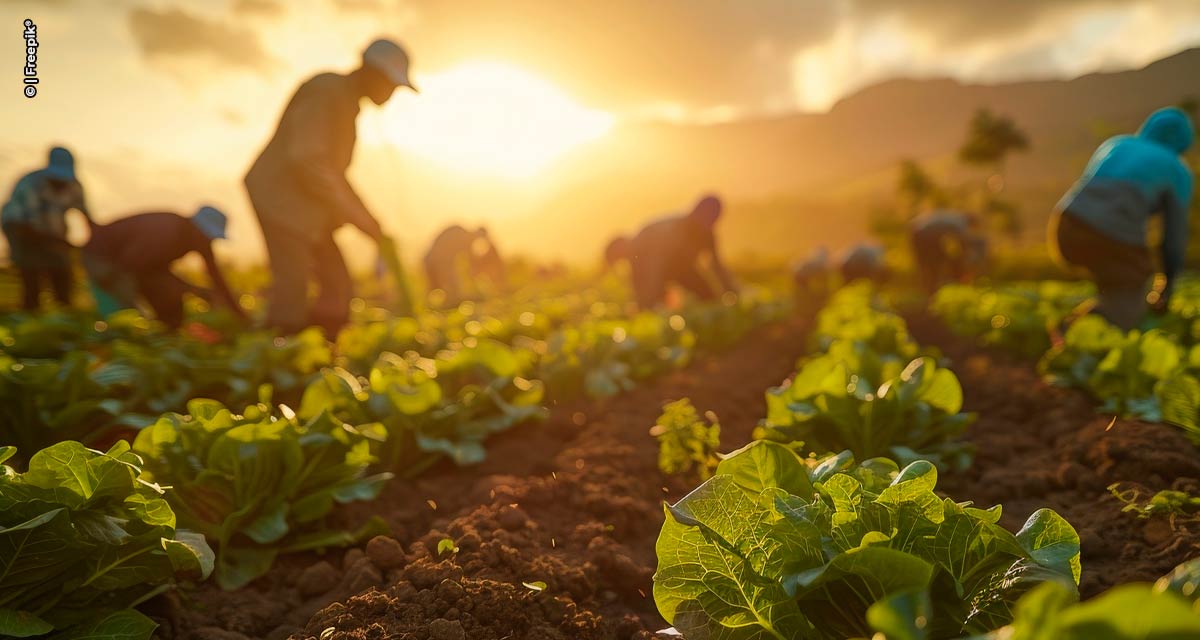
x=1175 y=240
x=218 y=281
x=718 y=266
x=309 y=156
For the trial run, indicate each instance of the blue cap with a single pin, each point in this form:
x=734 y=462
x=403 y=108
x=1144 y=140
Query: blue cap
x=211 y=221
x=62 y=164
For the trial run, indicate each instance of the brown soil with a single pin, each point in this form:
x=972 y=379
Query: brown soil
x=1044 y=446
x=575 y=503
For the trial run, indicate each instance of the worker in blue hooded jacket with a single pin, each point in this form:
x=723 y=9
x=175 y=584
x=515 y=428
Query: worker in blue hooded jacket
x=1101 y=222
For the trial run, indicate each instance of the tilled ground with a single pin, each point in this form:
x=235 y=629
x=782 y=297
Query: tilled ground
x=575 y=503
x=1044 y=446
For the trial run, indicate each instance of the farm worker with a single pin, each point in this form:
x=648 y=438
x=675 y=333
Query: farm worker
x=299 y=190
x=811 y=275
x=668 y=251
x=864 y=261
x=130 y=259
x=34 y=221
x=1100 y=224
x=947 y=247
x=456 y=248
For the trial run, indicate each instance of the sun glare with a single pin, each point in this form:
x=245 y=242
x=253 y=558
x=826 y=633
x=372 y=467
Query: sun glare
x=490 y=118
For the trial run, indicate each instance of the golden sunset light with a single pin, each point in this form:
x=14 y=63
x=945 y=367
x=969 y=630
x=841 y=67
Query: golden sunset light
x=490 y=118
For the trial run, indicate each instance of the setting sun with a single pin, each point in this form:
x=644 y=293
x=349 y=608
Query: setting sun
x=490 y=118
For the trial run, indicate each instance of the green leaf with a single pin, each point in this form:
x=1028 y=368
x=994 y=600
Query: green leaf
x=761 y=465
x=190 y=553
x=1052 y=542
x=536 y=585
x=22 y=624
x=120 y=625
x=904 y=615
x=239 y=566
x=446 y=545
x=722 y=557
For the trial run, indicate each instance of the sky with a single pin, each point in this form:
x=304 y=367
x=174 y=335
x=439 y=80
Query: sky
x=166 y=103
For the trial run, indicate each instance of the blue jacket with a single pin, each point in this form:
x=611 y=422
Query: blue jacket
x=1131 y=178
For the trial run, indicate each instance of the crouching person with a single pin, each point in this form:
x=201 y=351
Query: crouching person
x=130 y=260
x=947 y=247
x=1100 y=225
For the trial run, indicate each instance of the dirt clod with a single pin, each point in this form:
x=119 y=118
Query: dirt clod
x=385 y=552
x=442 y=629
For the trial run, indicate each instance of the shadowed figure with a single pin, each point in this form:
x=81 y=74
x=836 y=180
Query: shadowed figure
x=864 y=262
x=948 y=246
x=457 y=250
x=300 y=193
x=34 y=221
x=811 y=276
x=1100 y=225
x=130 y=259
x=670 y=250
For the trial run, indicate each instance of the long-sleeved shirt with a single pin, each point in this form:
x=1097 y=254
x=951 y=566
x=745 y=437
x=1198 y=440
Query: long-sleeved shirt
x=150 y=242
x=37 y=212
x=676 y=243
x=1131 y=178
x=299 y=180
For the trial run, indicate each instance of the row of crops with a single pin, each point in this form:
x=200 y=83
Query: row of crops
x=828 y=525
x=1151 y=374
x=230 y=450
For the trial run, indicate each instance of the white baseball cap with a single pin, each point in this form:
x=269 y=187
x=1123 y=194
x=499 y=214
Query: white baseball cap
x=211 y=222
x=390 y=59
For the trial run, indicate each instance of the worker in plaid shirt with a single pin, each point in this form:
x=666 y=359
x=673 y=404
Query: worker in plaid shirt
x=34 y=222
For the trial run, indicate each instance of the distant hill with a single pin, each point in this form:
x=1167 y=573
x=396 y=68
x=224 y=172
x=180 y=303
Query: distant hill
x=806 y=179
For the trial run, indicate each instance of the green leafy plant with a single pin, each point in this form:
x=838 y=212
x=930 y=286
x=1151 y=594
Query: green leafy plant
x=829 y=406
x=83 y=539
x=1015 y=316
x=686 y=443
x=426 y=409
x=772 y=547
x=256 y=485
x=1121 y=370
x=1163 y=611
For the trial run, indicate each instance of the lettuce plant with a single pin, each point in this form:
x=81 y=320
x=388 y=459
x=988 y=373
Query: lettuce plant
x=257 y=485
x=833 y=405
x=772 y=547
x=83 y=539
x=1121 y=370
x=1165 y=610
x=425 y=409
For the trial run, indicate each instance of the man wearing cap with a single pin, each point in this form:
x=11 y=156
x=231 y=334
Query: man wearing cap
x=131 y=259
x=669 y=250
x=299 y=189
x=34 y=221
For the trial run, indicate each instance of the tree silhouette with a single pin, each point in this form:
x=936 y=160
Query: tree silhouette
x=990 y=140
x=915 y=188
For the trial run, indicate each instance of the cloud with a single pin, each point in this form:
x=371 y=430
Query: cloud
x=625 y=54
x=176 y=34
x=264 y=8
x=952 y=23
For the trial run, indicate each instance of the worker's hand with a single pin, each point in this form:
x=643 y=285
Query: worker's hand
x=1160 y=301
